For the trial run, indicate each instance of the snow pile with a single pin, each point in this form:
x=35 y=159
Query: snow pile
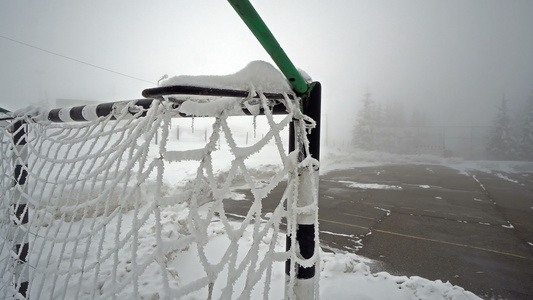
x=370 y=186
x=347 y=275
x=257 y=75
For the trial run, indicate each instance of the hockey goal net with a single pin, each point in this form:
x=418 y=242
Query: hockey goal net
x=98 y=209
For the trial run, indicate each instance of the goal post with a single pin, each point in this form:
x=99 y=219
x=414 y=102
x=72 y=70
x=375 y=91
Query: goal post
x=306 y=232
x=20 y=207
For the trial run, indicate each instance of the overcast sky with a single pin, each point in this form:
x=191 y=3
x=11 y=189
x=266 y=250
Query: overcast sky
x=453 y=59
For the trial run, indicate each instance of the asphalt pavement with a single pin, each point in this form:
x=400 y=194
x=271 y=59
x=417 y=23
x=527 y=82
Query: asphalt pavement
x=473 y=229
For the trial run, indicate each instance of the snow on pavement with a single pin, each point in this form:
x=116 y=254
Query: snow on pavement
x=370 y=186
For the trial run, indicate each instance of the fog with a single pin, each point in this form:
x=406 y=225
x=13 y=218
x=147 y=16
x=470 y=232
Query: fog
x=451 y=61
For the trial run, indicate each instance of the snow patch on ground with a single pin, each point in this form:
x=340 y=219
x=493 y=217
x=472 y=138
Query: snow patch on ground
x=237 y=196
x=500 y=175
x=352 y=273
x=370 y=186
x=508 y=225
x=383 y=209
x=337 y=234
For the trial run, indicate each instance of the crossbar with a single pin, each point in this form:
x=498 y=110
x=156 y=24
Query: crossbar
x=159 y=92
x=91 y=112
x=172 y=94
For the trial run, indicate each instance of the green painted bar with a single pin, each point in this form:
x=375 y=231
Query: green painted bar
x=254 y=22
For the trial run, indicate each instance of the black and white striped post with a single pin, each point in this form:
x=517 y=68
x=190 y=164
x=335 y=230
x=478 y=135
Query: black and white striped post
x=20 y=208
x=307 y=192
x=92 y=112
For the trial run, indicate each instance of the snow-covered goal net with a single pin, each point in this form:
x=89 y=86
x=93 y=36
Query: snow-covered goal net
x=98 y=209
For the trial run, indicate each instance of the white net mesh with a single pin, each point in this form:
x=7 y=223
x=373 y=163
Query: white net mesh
x=113 y=215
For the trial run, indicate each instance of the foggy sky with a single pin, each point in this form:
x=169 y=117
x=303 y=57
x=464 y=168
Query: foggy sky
x=453 y=59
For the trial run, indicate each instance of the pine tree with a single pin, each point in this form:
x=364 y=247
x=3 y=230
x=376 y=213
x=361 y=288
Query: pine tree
x=501 y=144
x=363 y=133
x=526 y=134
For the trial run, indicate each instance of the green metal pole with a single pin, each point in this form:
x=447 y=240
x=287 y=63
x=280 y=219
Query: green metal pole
x=254 y=22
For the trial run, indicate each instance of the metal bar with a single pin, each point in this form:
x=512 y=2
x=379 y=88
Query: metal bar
x=312 y=108
x=158 y=92
x=91 y=112
x=306 y=231
x=20 y=209
x=254 y=22
x=192 y=90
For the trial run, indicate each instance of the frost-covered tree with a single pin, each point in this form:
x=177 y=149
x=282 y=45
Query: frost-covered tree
x=366 y=119
x=501 y=143
x=525 y=145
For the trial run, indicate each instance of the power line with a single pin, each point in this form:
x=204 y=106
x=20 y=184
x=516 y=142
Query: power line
x=74 y=59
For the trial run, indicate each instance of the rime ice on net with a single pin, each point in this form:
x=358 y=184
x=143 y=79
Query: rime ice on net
x=108 y=223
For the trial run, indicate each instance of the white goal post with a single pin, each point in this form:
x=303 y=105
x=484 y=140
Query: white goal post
x=91 y=208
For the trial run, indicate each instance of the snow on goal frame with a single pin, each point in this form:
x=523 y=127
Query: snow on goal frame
x=88 y=213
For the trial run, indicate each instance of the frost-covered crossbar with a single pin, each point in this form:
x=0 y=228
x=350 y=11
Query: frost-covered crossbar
x=160 y=92
x=109 y=217
x=93 y=112
x=181 y=105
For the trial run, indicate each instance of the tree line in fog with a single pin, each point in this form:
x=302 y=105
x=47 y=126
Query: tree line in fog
x=511 y=136
x=386 y=128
